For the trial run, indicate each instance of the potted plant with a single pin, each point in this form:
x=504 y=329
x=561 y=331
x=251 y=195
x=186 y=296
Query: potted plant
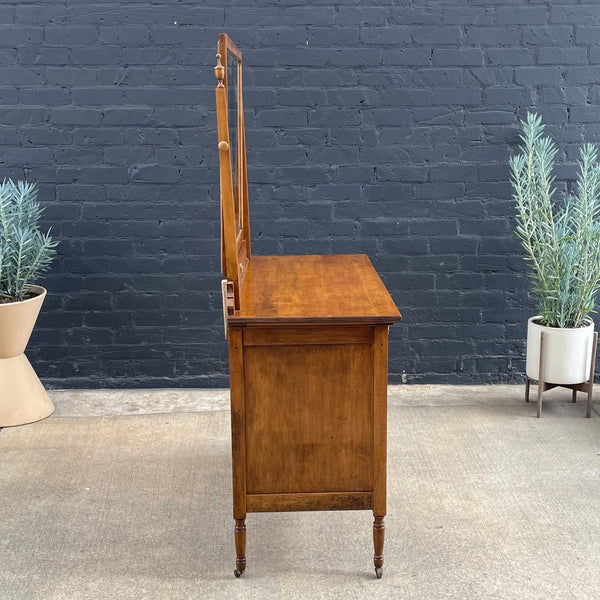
x=25 y=253
x=562 y=244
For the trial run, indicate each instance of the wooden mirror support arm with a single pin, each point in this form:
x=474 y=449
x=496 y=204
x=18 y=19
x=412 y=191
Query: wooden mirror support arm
x=235 y=222
x=230 y=260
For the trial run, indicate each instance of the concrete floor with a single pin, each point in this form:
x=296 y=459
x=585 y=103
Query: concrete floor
x=127 y=494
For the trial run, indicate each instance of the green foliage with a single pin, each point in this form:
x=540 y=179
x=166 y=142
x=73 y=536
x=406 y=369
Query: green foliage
x=562 y=242
x=25 y=252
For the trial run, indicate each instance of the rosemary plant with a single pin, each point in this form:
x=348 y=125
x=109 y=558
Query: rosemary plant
x=25 y=252
x=562 y=243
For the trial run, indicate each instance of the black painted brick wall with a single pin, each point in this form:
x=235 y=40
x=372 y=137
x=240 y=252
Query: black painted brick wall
x=377 y=127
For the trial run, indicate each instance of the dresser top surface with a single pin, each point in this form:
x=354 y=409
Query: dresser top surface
x=338 y=288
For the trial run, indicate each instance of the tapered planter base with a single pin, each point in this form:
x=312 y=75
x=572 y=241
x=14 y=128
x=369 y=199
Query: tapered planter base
x=23 y=398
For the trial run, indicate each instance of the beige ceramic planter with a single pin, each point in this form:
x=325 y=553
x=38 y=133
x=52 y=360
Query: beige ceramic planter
x=23 y=398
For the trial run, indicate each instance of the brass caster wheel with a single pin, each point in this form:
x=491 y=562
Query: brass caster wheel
x=379 y=572
x=237 y=573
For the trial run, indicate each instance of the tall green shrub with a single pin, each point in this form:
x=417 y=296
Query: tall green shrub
x=25 y=252
x=562 y=243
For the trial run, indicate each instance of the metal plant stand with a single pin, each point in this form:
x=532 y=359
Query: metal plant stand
x=586 y=386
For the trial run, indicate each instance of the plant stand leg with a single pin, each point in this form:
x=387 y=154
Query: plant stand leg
x=588 y=410
x=240 y=546
x=540 y=377
x=527 y=385
x=378 y=538
x=574 y=396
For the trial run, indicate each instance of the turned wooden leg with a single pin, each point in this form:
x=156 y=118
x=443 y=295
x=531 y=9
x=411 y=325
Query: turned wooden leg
x=378 y=538
x=588 y=410
x=240 y=547
x=527 y=384
x=540 y=377
x=574 y=396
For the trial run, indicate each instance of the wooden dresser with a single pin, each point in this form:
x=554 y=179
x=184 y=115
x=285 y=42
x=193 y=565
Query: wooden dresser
x=308 y=352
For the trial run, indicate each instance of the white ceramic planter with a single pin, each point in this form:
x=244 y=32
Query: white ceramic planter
x=567 y=352
x=23 y=398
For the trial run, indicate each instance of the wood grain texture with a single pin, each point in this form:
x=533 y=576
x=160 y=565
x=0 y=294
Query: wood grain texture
x=228 y=242
x=305 y=334
x=238 y=425
x=309 y=418
x=339 y=288
x=314 y=501
x=380 y=361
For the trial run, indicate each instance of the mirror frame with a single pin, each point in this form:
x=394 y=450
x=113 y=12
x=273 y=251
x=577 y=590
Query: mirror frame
x=235 y=217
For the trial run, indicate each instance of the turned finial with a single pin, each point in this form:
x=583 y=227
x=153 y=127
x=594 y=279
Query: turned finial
x=220 y=72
